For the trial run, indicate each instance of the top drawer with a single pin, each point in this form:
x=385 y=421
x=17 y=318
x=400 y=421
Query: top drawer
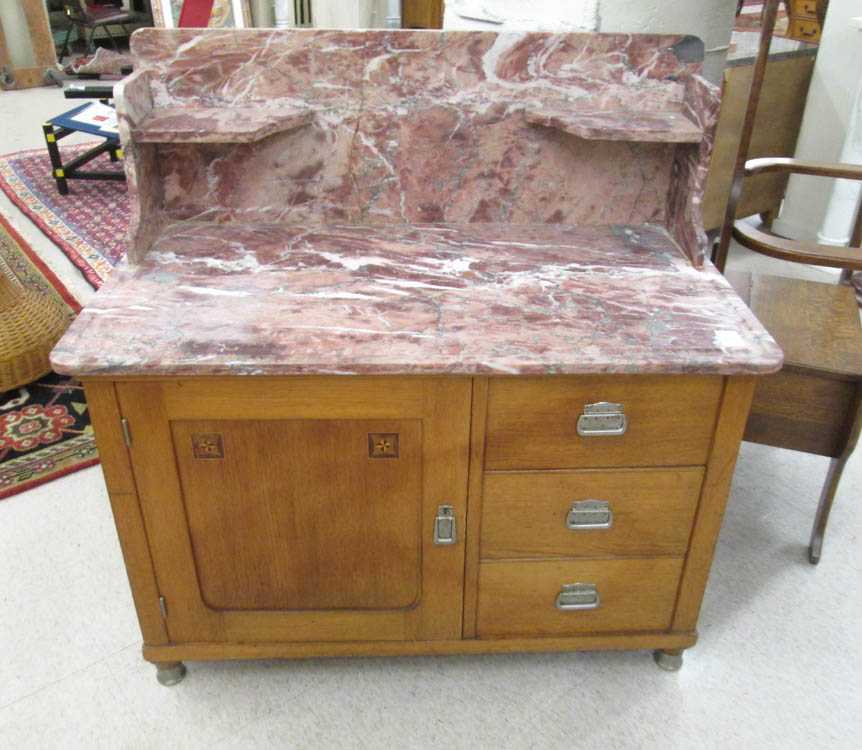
x=533 y=422
x=807 y=8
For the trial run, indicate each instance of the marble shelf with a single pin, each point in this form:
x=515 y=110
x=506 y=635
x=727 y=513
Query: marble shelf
x=620 y=125
x=218 y=124
x=276 y=299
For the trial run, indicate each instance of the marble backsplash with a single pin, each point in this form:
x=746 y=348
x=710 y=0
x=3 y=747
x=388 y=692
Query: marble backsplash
x=394 y=127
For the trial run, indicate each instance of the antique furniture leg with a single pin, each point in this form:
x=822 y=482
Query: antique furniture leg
x=669 y=659
x=170 y=673
x=833 y=477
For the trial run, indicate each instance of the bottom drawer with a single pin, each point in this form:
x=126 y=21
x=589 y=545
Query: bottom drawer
x=521 y=598
x=804 y=29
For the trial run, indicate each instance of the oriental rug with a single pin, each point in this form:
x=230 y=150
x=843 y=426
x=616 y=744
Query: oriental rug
x=45 y=430
x=88 y=225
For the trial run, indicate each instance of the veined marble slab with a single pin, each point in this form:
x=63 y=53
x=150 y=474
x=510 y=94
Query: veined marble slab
x=394 y=127
x=273 y=299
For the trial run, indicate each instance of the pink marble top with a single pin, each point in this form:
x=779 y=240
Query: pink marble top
x=276 y=299
x=415 y=202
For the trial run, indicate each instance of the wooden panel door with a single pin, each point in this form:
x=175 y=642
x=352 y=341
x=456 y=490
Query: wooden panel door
x=302 y=509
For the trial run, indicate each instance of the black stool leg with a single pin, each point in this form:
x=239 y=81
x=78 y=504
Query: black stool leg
x=65 y=48
x=110 y=36
x=57 y=170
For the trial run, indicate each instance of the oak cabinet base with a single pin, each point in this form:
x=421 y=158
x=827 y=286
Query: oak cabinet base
x=359 y=516
x=323 y=650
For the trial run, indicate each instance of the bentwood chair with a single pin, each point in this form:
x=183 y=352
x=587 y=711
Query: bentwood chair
x=814 y=404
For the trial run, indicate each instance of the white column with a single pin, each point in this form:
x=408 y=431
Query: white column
x=828 y=116
x=284 y=18
x=393 y=14
x=841 y=210
x=262 y=12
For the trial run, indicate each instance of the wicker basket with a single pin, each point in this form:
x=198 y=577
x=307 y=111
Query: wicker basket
x=30 y=325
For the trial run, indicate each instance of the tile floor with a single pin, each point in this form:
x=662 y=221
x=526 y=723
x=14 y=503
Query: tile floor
x=779 y=663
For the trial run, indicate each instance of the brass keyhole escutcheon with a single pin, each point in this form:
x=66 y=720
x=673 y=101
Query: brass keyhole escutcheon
x=383 y=445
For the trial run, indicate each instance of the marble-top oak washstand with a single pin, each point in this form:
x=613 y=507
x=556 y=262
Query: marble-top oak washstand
x=463 y=278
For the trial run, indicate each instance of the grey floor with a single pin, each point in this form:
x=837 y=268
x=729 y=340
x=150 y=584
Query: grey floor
x=777 y=666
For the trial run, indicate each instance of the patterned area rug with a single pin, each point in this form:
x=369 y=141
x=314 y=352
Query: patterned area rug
x=89 y=225
x=45 y=429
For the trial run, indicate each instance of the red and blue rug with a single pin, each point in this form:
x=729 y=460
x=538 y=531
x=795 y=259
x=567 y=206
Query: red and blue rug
x=89 y=225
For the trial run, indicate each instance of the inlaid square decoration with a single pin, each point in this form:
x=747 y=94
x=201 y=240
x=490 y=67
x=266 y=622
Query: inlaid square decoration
x=208 y=445
x=224 y=14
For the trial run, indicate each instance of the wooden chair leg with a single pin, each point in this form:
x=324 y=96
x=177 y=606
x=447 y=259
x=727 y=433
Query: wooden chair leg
x=827 y=496
x=830 y=487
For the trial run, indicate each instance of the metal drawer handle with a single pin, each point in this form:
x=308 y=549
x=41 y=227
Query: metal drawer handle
x=586 y=515
x=577 y=596
x=602 y=419
x=445 y=528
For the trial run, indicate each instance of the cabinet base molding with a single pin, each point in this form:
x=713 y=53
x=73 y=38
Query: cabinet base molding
x=223 y=651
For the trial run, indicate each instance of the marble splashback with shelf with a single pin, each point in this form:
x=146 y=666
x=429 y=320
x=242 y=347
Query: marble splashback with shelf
x=399 y=127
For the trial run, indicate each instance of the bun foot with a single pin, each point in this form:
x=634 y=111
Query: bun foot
x=170 y=673
x=669 y=660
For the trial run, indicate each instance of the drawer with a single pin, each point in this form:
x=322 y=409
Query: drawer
x=520 y=598
x=650 y=512
x=806 y=30
x=533 y=422
x=807 y=8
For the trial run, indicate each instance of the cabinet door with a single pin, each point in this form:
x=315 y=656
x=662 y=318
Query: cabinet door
x=303 y=509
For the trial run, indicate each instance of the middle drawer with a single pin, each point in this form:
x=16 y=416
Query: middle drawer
x=630 y=512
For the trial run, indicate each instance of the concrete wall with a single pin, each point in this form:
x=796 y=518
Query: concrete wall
x=837 y=74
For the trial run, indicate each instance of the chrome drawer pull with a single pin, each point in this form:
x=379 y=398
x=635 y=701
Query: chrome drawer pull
x=586 y=515
x=602 y=419
x=575 y=596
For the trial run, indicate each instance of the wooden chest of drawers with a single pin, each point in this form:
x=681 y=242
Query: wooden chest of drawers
x=804 y=21
x=315 y=516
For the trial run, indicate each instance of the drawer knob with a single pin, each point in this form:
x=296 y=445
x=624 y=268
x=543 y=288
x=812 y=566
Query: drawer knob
x=602 y=419
x=587 y=515
x=578 y=596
